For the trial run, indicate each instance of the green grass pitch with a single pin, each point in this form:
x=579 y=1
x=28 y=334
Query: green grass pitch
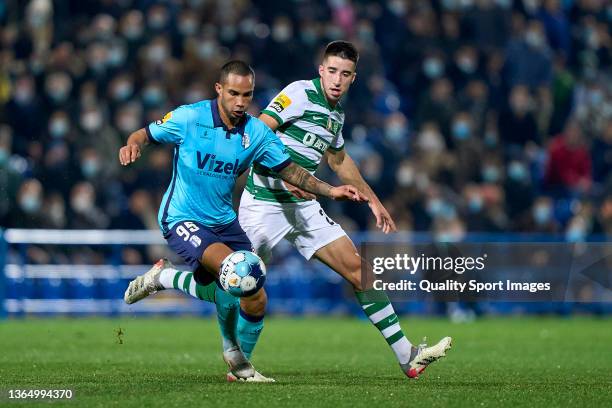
x=531 y=362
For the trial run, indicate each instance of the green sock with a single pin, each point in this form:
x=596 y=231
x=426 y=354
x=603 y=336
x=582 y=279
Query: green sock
x=379 y=310
x=183 y=280
x=249 y=329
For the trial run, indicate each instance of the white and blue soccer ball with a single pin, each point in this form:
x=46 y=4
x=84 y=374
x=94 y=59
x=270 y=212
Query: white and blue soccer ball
x=242 y=273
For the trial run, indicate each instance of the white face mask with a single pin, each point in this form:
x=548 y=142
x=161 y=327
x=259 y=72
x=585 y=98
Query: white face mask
x=81 y=203
x=30 y=203
x=534 y=39
x=157 y=53
x=281 y=32
x=405 y=176
x=188 y=27
x=431 y=141
x=58 y=128
x=56 y=212
x=91 y=121
x=433 y=67
x=128 y=123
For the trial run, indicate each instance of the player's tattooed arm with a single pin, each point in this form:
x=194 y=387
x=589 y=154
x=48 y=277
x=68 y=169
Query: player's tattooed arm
x=299 y=177
x=346 y=169
x=132 y=149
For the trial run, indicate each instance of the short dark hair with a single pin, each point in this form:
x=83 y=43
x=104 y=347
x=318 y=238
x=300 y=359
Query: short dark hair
x=342 y=49
x=235 y=67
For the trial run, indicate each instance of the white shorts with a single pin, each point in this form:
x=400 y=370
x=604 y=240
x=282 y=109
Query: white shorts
x=305 y=225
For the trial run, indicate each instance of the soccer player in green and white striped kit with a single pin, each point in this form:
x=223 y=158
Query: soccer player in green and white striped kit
x=308 y=118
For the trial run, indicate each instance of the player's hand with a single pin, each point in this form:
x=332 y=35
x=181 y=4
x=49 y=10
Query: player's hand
x=298 y=192
x=347 y=192
x=383 y=219
x=128 y=154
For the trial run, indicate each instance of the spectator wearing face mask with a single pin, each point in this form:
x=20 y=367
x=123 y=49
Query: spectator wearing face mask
x=433 y=67
x=158 y=63
x=27 y=213
x=417 y=54
x=475 y=99
x=540 y=219
x=467 y=149
x=397 y=133
x=98 y=68
x=432 y=154
x=54 y=211
x=19 y=111
x=59 y=127
x=528 y=59
x=583 y=224
x=519 y=189
x=84 y=213
x=120 y=89
x=131 y=28
x=97 y=132
x=465 y=67
x=58 y=92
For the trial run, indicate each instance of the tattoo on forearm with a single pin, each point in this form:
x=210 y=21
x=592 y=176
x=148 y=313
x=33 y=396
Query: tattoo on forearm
x=299 y=177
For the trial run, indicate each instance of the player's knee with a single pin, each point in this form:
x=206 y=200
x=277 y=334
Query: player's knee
x=255 y=305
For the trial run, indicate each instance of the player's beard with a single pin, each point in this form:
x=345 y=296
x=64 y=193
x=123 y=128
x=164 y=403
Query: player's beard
x=233 y=118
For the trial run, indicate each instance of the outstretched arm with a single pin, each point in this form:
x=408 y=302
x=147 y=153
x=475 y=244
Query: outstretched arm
x=299 y=177
x=131 y=151
x=344 y=166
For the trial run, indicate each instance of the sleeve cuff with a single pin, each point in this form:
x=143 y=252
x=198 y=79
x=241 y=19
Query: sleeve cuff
x=274 y=115
x=336 y=149
x=150 y=136
x=280 y=167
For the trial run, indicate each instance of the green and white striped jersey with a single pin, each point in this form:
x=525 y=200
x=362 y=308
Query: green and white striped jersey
x=308 y=126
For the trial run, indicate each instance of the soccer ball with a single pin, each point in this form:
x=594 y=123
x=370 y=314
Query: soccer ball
x=242 y=273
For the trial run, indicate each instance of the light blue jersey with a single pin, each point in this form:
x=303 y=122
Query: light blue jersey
x=208 y=158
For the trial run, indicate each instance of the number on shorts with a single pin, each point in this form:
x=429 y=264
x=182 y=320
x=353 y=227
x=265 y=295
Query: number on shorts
x=326 y=217
x=185 y=229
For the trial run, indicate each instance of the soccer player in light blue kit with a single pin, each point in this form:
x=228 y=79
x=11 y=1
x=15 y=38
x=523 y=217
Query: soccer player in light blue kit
x=215 y=142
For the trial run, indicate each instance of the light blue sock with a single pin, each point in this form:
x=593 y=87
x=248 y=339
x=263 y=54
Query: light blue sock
x=249 y=329
x=227 y=317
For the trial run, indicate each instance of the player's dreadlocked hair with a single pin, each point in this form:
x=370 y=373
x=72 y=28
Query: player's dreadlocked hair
x=342 y=49
x=235 y=67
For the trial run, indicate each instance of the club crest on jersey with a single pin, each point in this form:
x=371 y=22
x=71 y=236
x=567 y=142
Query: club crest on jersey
x=166 y=118
x=332 y=126
x=280 y=103
x=246 y=141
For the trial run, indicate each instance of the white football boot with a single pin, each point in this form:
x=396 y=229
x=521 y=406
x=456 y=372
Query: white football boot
x=258 y=377
x=240 y=366
x=422 y=356
x=147 y=283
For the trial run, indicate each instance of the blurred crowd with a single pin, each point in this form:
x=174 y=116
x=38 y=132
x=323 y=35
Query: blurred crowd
x=466 y=115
